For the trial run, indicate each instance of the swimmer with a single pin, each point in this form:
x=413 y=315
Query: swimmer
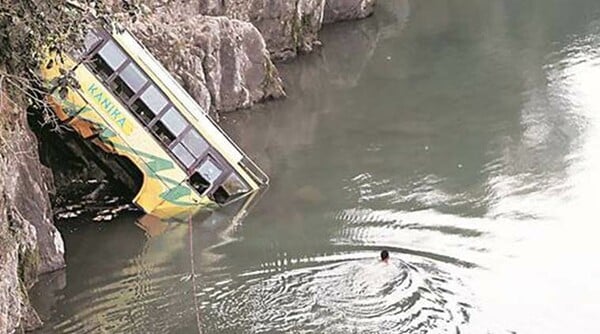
x=385 y=256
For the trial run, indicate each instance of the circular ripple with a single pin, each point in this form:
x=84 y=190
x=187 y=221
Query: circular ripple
x=352 y=295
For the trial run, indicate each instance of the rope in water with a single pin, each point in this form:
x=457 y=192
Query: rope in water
x=193 y=272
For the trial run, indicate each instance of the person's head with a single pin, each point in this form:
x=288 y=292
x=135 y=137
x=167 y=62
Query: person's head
x=385 y=255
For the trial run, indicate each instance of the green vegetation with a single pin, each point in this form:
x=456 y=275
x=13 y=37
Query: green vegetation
x=29 y=27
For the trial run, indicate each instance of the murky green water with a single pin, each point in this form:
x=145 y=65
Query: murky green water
x=463 y=135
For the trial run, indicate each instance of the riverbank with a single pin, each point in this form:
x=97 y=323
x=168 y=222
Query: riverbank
x=225 y=55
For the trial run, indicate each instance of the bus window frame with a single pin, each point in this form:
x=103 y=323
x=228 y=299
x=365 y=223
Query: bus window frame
x=210 y=152
x=232 y=197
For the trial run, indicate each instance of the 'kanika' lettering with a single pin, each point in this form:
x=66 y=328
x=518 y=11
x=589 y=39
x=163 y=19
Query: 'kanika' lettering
x=110 y=109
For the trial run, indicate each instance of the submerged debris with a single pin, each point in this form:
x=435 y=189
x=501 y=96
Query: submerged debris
x=103 y=204
x=67 y=215
x=100 y=218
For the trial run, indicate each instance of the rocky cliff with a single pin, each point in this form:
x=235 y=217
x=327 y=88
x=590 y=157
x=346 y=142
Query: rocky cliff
x=289 y=26
x=29 y=242
x=222 y=62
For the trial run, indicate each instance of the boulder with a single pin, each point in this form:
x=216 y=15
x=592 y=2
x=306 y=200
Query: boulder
x=223 y=63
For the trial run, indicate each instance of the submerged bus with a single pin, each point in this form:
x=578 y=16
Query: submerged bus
x=126 y=103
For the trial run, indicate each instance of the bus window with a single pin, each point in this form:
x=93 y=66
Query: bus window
x=108 y=60
x=205 y=175
x=194 y=143
x=199 y=183
x=232 y=188
x=210 y=170
x=170 y=125
x=129 y=82
x=183 y=155
x=150 y=103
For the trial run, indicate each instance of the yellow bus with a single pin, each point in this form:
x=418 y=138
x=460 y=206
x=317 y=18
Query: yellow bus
x=127 y=103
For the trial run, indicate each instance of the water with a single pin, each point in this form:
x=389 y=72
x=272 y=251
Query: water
x=463 y=136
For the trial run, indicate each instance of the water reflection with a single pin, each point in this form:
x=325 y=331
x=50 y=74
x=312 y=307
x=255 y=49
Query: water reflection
x=123 y=278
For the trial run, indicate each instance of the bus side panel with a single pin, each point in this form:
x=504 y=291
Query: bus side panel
x=122 y=134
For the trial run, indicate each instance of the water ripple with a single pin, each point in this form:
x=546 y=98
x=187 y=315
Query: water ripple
x=338 y=294
x=126 y=303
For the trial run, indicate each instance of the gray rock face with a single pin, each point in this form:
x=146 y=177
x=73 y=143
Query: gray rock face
x=222 y=62
x=29 y=242
x=288 y=26
x=341 y=10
